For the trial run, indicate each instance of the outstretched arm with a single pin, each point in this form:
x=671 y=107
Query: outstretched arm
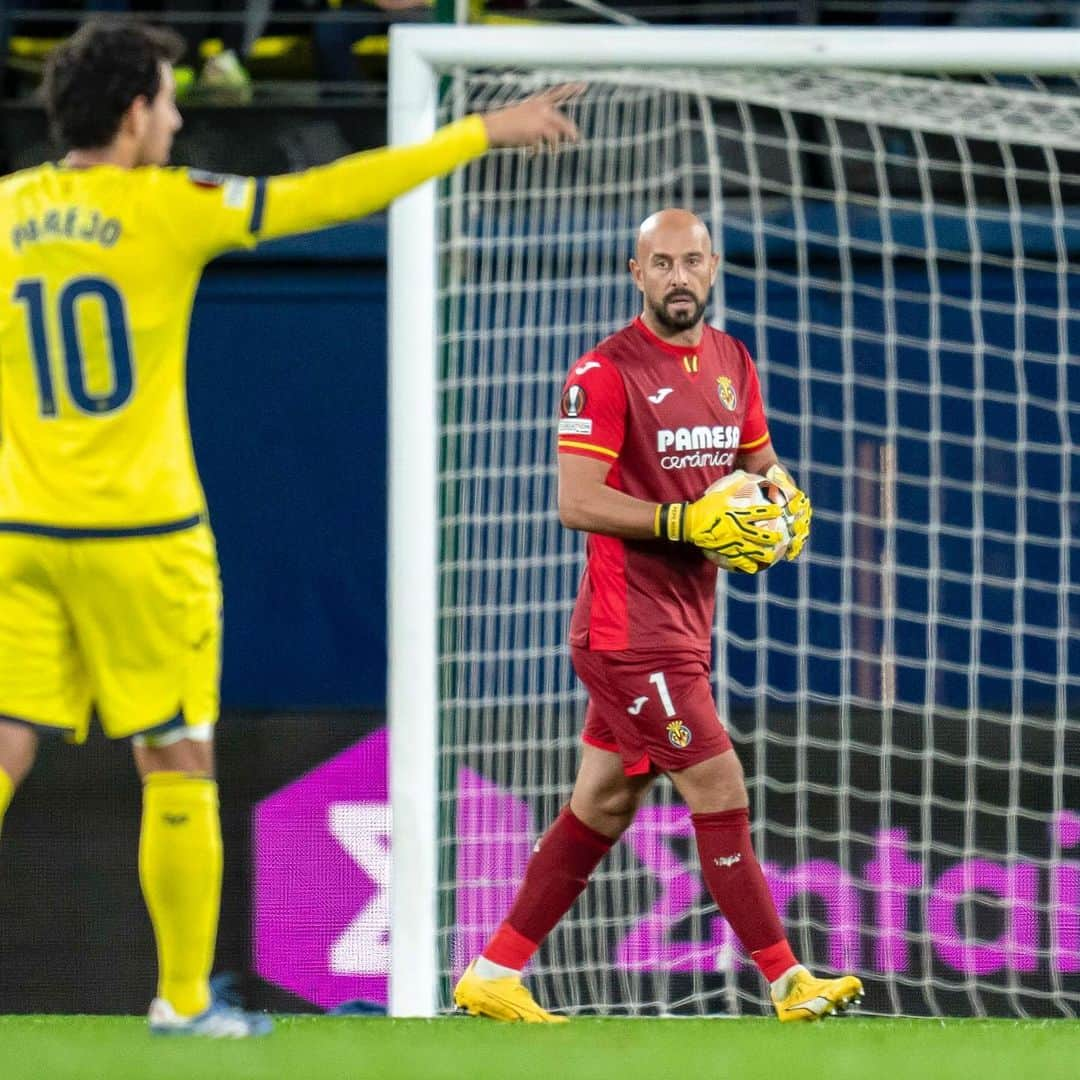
x=362 y=183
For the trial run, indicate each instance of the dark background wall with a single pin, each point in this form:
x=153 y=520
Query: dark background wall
x=287 y=378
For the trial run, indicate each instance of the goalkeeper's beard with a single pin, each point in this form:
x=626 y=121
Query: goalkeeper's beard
x=679 y=320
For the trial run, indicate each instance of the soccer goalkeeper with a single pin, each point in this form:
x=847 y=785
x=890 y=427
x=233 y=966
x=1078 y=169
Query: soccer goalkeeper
x=651 y=418
x=109 y=588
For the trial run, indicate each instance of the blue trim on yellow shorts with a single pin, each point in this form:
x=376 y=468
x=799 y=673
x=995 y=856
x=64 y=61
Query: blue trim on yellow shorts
x=175 y=721
x=258 y=207
x=45 y=729
x=113 y=532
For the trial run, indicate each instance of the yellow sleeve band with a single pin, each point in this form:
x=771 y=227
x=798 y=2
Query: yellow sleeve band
x=756 y=443
x=587 y=446
x=362 y=183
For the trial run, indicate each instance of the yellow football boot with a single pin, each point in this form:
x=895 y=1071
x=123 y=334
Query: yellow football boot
x=500 y=999
x=808 y=998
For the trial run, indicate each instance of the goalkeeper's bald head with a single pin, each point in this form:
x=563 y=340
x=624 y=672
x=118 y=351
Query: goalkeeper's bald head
x=672 y=225
x=674 y=267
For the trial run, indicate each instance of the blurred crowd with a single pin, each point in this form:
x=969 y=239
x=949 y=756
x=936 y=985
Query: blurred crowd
x=236 y=47
x=228 y=41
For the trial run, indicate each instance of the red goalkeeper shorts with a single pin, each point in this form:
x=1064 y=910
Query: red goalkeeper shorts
x=656 y=710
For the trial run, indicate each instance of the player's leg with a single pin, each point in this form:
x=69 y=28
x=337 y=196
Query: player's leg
x=18 y=748
x=715 y=792
x=148 y=612
x=180 y=866
x=601 y=808
x=43 y=685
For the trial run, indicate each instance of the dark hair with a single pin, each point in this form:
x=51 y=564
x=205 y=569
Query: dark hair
x=93 y=77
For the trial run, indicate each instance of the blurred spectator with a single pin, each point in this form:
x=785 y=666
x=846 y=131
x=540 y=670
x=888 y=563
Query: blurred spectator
x=19 y=17
x=223 y=77
x=244 y=21
x=334 y=39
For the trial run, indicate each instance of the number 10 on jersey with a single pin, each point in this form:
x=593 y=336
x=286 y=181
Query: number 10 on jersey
x=32 y=293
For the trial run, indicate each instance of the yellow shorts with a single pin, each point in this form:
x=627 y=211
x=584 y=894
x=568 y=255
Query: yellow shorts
x=130 y=627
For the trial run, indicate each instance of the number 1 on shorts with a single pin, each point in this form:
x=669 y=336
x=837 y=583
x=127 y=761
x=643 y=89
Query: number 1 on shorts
x=657 y=678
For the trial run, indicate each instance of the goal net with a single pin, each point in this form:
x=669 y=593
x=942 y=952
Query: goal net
x=900 y=254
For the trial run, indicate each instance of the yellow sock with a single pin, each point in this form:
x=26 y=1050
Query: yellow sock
x=7 y=789
x=180 y=872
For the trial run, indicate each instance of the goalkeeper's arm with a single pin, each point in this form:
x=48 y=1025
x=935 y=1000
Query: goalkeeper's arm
x=588 y=504
x=362 y=183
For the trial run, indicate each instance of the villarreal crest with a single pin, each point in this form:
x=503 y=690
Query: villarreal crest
x=679 y=734
x=726 y=392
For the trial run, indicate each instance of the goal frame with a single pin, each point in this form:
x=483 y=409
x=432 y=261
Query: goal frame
x=418 y=56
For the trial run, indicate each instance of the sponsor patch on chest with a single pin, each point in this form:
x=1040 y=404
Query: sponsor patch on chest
x=705 y=446
x=701 y=437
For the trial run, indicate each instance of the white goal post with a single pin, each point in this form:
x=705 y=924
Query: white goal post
x=420 y=58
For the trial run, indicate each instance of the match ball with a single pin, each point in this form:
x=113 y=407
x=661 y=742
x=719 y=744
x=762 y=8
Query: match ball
x=749 y=489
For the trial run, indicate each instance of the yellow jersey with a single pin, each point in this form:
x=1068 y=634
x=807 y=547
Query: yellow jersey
x=98 y=272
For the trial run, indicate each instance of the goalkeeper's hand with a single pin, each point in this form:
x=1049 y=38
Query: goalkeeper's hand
x=714 y=524
x=799 y=510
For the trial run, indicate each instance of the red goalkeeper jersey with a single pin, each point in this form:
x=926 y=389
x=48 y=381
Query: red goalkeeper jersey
x=670 y=420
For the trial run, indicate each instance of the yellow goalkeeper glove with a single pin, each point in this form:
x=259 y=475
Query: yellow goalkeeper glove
x=799 y=510
x=714 y=524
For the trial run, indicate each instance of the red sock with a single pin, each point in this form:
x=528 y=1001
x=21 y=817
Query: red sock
x=738 y=886
x=557 y=873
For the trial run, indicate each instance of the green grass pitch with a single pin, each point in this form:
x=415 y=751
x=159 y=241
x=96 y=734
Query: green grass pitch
x=326 y=1048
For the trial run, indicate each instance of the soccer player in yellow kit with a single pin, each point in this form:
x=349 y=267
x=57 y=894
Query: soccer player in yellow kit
x=109 y=589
